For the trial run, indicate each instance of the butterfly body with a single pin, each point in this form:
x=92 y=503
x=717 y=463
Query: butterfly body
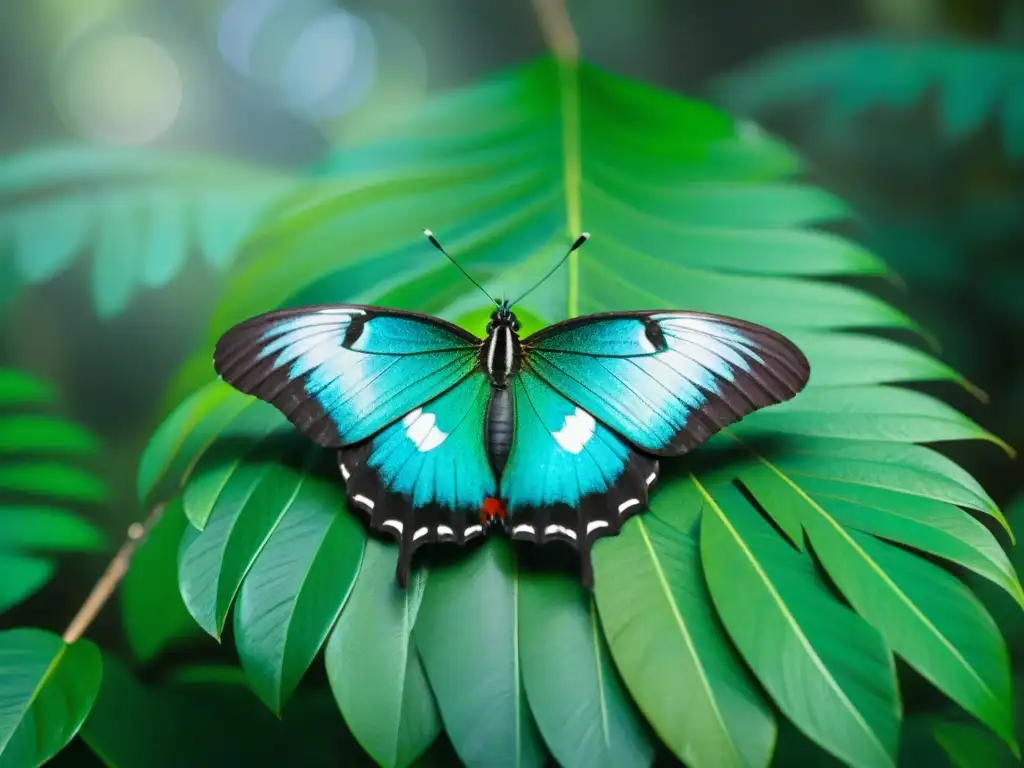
x=444 y=437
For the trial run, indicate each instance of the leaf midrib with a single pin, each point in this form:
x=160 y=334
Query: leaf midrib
x=791 y=620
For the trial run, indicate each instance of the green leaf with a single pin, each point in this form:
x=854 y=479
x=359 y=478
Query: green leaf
x=207 y=718
x=140 y=210
x=184 y=436
x=826 y=669
x=665 y=638
x=580 y=705
x=375 y=670
x=973 y=82
x=39 y=453
x=467 y=632
x=48 y=688
x=295 y=590
x=971 y=747
x=244 y=514
x=925 y=615
x=152 y=610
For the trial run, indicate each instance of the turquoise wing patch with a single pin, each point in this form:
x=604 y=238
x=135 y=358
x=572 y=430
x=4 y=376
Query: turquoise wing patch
x=425 y=477
x=342 y=373
x=568 y=477
x=667 y=381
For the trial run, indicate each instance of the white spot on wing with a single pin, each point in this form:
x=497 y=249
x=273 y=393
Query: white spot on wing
x=523 y=528
x=473 y=529
x=363 y=500
x=444 y=530
x=593 y=525
x=395 y=524
x=576 y=432
x=344 y=472
x=560 y=529
x=420 y=533
x=419 y=427
x=652 y=477
x=341 y=311
x=629 y=504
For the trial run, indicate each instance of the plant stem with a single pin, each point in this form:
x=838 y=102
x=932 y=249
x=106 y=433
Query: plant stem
x=556 y=26
x=112 y=576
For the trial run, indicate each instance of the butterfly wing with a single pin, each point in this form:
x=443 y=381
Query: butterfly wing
x=425 y=477
x=568 y=477
x=342 y=373
x=666 y=381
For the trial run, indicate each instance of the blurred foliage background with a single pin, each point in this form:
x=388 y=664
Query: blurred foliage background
x=193 y=118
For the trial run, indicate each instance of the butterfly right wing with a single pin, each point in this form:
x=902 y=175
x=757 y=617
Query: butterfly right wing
x=342 y=373
x=425 y=477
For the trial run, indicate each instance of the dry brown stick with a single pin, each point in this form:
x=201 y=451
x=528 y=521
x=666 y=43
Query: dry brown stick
x=112 y=576
x=556 y=25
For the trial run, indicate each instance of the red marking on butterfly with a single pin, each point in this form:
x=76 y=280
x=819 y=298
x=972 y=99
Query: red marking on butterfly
x=492 y=508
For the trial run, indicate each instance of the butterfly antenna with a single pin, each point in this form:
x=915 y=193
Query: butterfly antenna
x=433 y=242
x=579 y=241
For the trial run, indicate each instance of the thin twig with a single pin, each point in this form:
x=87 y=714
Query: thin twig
x=556 y=25
x=111 y=577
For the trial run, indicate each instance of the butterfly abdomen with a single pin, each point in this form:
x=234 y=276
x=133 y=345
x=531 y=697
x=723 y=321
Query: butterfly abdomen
x=498 y=428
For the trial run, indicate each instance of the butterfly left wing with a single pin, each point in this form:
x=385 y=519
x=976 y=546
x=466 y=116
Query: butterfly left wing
x=568 y=477
x=425 y=477
x=341 y=373
x=665 y=380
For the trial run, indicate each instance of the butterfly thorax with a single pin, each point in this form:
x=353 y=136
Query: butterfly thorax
x=501 y=352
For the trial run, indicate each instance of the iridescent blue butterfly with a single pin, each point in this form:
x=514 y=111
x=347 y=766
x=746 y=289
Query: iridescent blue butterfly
x=444 y=436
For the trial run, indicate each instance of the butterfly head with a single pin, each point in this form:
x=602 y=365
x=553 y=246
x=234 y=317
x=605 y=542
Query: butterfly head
x=503 y=317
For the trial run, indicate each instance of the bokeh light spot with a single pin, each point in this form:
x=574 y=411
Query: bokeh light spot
x=123 y=90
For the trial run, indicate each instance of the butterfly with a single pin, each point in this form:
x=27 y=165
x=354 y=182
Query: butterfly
x=444 y=437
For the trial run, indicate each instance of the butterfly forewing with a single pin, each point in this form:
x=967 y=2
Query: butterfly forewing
x=667 y=381
x=343 y=373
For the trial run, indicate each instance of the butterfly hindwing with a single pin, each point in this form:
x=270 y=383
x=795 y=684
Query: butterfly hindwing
x=568 y=477
x=342 y=373
x=425 y=477
x=667 y=381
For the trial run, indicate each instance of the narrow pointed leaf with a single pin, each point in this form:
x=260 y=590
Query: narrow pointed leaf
x=467 y=632
x=48 y=689
x=828 y=671
x=580 y=705
x=375 y=671
x=296 y=588
x=665 y=638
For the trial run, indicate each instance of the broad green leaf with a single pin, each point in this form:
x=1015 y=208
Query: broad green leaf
x=48 y=688
x=139 y=212
x=570 y=691
x=467 y=632
x=665 y=638
x=925 y=615
x=374 y=668
x=828 y=671
x=208 y=718
x=40 y=474
x=931 y=526
x=153 y=613
x=249 y=506
x=295 y=589
x=184 y=436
